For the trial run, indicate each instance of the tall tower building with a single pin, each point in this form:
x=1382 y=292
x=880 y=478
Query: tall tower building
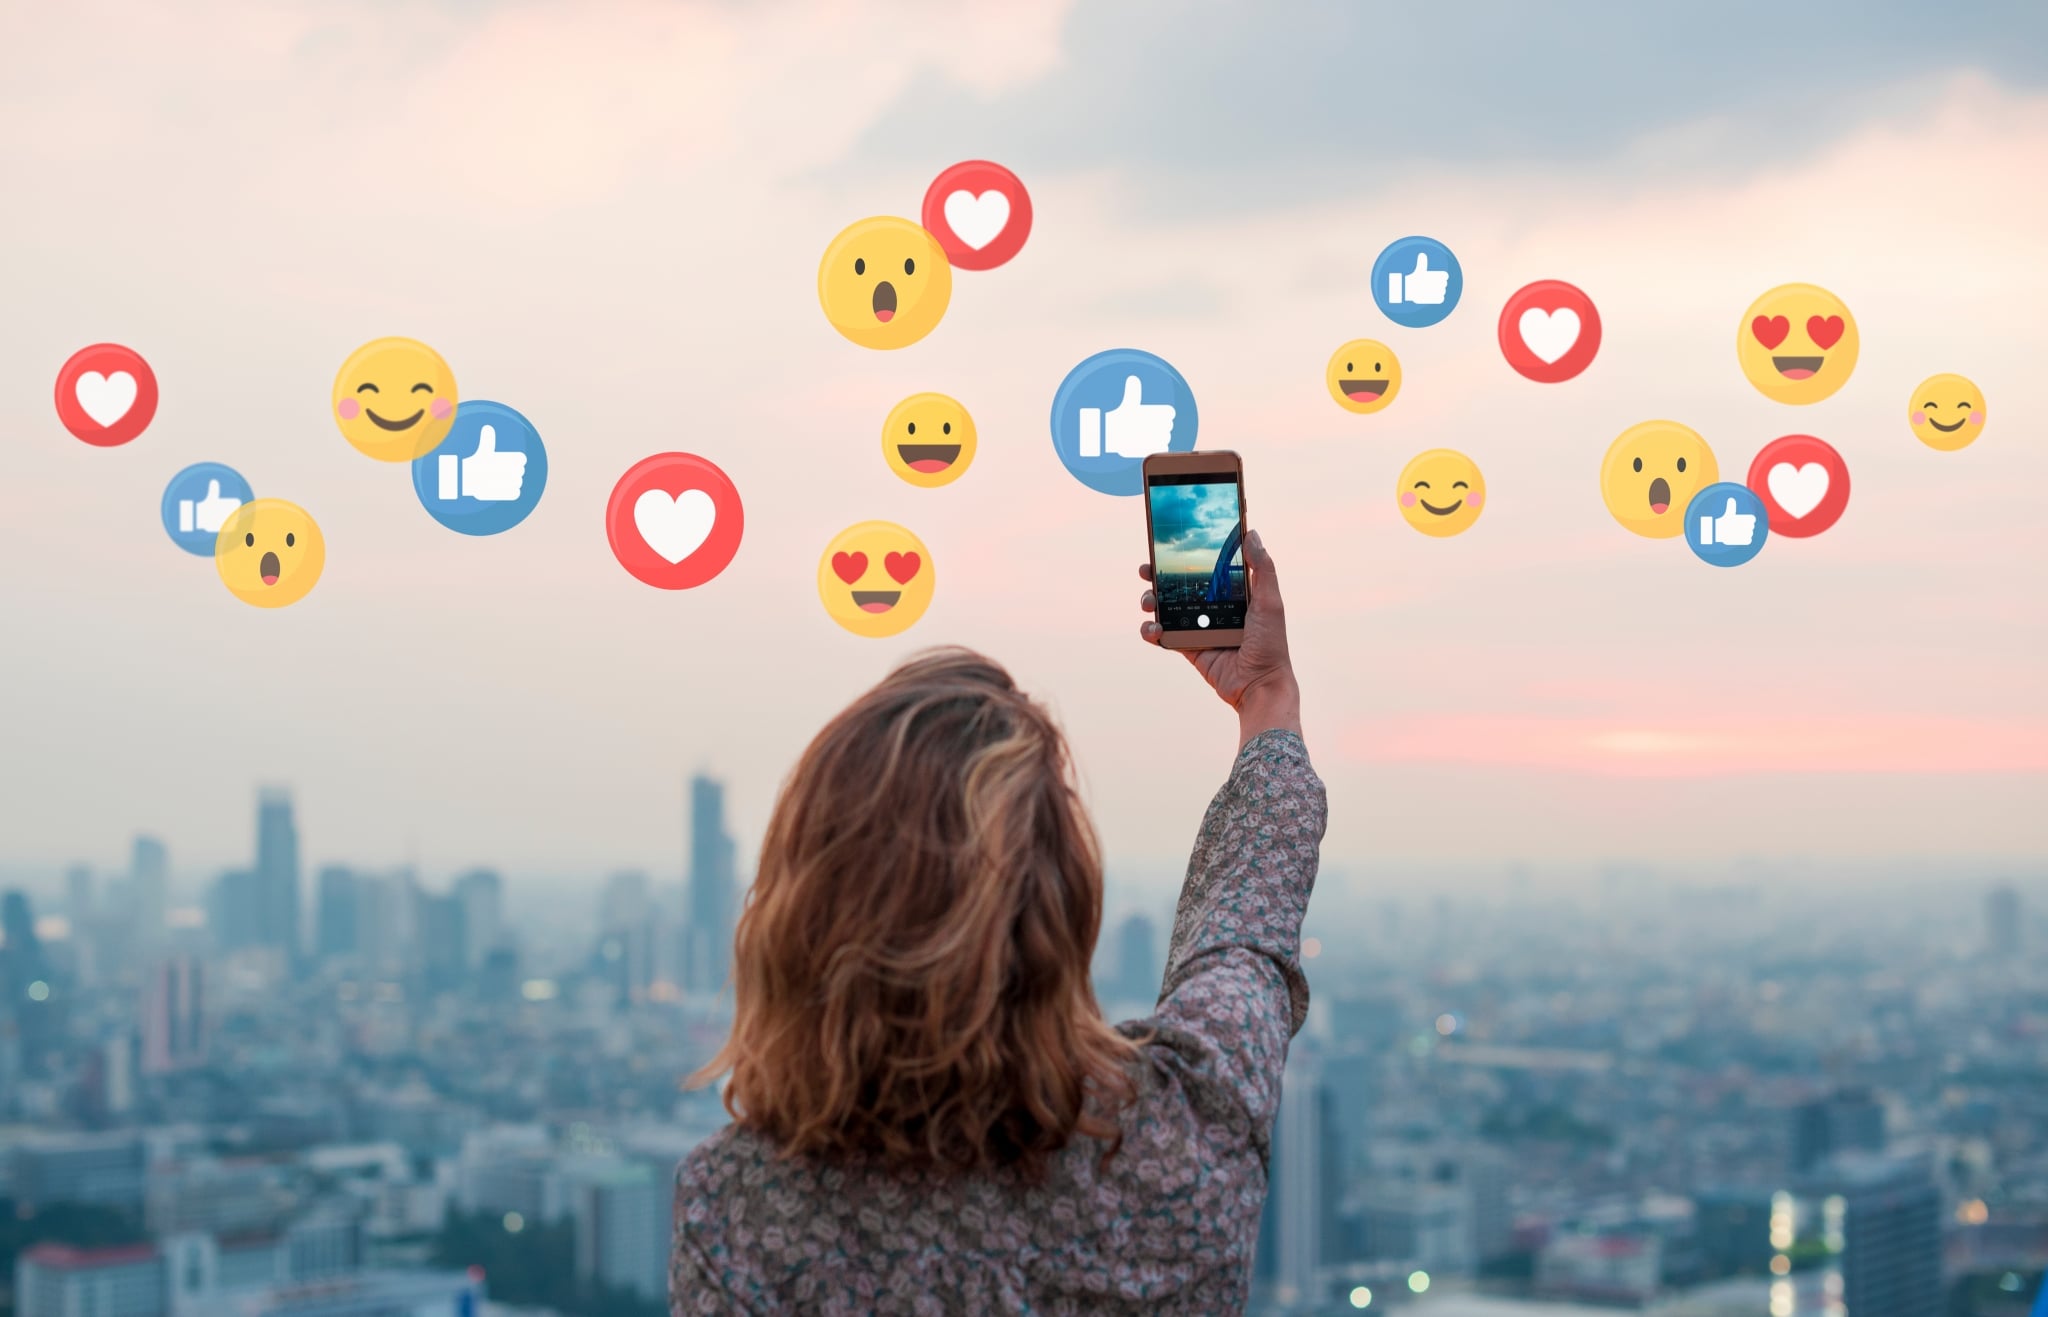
x=482 y=894
x=1137 y=961
x=277 y=873
x=78 y=898
x=2002 y=931
x=1295 y=1232
x=712 y=895
x=149 y=875
x=173 y=1017
x=337 y=913
x=1881 y=1217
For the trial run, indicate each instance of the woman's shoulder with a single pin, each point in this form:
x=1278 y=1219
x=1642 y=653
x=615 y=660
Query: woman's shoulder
x=726 y=1162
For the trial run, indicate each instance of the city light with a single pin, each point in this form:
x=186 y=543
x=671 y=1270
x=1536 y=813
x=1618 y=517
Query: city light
x=1418 y=1281
x=1447 y=1024
x=39 y=991
x=1781 y=1265
x=1311 y=947
x=1361 y=1297
x=539 y=990
x=1972 y=1212
x=514 y=1223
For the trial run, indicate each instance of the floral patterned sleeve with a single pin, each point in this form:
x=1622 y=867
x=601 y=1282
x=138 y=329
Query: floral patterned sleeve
x=1234 y=993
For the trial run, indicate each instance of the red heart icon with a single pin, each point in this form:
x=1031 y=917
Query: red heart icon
x=902 y=566
x=1824 y=333
x=849 y=567
x=1770 y=330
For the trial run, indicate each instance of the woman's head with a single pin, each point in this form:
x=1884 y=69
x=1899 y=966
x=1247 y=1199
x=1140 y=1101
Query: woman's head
x=911 y=970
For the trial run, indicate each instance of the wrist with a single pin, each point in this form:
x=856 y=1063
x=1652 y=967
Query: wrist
x=1273 y=704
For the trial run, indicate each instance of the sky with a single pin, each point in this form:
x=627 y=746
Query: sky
x=1190 y=524
x=609 y=215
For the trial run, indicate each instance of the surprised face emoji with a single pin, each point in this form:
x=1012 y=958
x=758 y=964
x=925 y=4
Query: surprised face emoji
x=270 y=553
x=884 y=282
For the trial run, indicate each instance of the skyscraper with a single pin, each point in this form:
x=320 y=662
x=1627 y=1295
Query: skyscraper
x=1881 y=1216
x=277 y=873
x=2002 y=929
x=1847 y=1120
x=173 y=1017
x=337 y=910
x=78 y=902
x=1297 y=1232
x=707 y=932
x=149 y=872
x=1137 y=961
x=482 y=895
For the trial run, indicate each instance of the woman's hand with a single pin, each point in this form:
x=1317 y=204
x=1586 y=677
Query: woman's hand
x=1257 y=678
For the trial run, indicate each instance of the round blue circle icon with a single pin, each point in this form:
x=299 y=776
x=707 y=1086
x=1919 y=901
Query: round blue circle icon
x=1726 y=524
x=1417 y=282
x=197 y=503
x=1114 y=410
x=487 y=474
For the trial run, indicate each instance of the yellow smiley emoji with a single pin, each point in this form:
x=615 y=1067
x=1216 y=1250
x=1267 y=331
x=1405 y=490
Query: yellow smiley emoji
x=928 y=440
x=1650 y=474
x=1948 y=412
x=1796 y=343
x=1441 y=492
x=1363 y=375
x=270 y=553
x=884 y=282
x=394 y=399
x=875 y=579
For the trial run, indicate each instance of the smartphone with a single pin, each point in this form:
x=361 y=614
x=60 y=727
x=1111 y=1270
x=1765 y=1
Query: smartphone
x=1194 y=519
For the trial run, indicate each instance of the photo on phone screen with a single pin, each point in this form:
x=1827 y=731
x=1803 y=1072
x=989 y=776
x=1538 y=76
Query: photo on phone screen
x=1197 y=550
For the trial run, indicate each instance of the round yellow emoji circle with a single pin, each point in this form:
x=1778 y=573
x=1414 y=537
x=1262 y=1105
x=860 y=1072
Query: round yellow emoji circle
x=1947 y=412
x=1440 y=492
x=394 y=399
x=1796 y=343
x=875 y=579
x=1363 y=375
x=928 y=440
x=1650 y=474
x=270 y=553
x=884 y=282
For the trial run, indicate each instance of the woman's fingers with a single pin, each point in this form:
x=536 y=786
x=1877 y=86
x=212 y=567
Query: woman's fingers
x=1149 y=631
x=1144 y=571
x=1149 y=602
x=1262 y=570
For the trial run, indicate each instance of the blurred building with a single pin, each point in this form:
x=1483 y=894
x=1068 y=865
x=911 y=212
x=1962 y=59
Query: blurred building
x=1733 y=1227
x=173 y=1016
x=1881 y=1217
x=104 y=1169
x=2004 y=931
x=713 y=896
x=481 y=894
x=1138 y=976
x=1299 y=1231
x=149 y=875
x=1846 y=1120
x=277 y=874
x=78 y=898
x=624 y=1227
x=337 y=905
x=1622 y=1265
x=54 y=1280
x=235 y=910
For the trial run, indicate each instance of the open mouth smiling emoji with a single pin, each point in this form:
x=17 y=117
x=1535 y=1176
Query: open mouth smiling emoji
x=394 y=399
x=1797 y=343
x=1947 y=412
x=928 y=440
x=875 y=579
x=1363 y=375
x=1650 y=474
x=884 y=282
x=270 y=553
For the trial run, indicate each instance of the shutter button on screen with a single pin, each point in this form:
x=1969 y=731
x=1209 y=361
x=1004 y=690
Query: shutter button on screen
x=1202 y=619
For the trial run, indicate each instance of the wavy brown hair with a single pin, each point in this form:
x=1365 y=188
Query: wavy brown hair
x=911 y=972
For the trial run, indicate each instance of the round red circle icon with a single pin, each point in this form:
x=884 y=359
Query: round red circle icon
x=1802 y=482
x=106 y=395
x=979 y=212
x=674 y=521
x=1549 y=331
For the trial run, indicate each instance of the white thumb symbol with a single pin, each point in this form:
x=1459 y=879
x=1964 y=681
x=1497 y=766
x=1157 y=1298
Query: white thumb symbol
x=212 y=489
x=487 y=442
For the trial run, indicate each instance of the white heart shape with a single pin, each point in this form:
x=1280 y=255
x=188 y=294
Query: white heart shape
x=977 y=221
x=1797 y=489
x=1549 y=334
x=674 y=526
x=106 y=398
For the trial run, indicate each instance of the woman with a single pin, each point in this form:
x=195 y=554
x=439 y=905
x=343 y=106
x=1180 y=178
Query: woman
x=930 y=1114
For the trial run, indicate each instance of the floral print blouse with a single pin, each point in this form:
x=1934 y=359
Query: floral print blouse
x=1167 y=1226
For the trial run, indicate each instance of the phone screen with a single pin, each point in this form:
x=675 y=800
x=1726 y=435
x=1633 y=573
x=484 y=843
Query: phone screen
x=1198 y=550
